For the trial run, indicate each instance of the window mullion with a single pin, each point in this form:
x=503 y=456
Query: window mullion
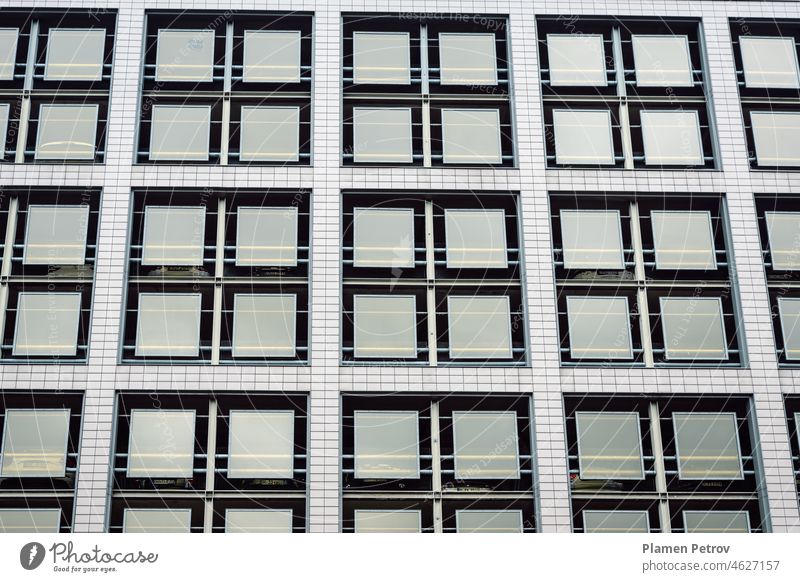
x=641 y=291
x=623 y=117
x=436 y=467
x=661 y=475
x=8 y=253
x=430 y=275
x=219 y=267
x=211 y=447
x=25 y=109
x=226 y=96
x=426 y=103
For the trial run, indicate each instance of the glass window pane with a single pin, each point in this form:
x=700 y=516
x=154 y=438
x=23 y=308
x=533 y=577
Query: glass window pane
x=271 y=56
x=173 y=235
x=716 y=522
x=775 y=136
x=266 y=237
x=185 y=56
x=55 y=235
x=583 y=137
x=386 y=444
x=264 y=326
x=693 y=328
x=662 y=61
x=180 y=132
x=47 y=324
x=258 y=521
x=156 y=520
x=592 y=239
x=168 y=325
x=609 y=445
x=4 y=111
x=161 y=443
x=789 y=309
x=479 y=327
x=385 y=326
x=599 y=328
x=769 y=62
x=35 y=442
x=467 y=59
x=783 y=231
x=30 y=520
x=683 y=240
x=381 y=58
x=261 y=444
x=616 y=522
x=8 y=52
x=488 y=521
x=576 y=60
x=388 y=521
x=471 y=136
x=672 y=138
x=485 y=445
x=382 y=135
x=270 y=134
x=66 y=132
x=707 y=445
x=75 y=54
x=476 y=239
x=383 y=237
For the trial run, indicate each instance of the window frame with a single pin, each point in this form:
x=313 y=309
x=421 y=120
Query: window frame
x=617 y=511
x=293 y=79
x=473 y=35
x=5 y=438
x=76 y=294
x=467 y=476
x=71 y=29
x=713 y=250
x=40 y=125
x=732 y=415
x=695 y=357
x=417 y=473
x=638 y=423
x=251 y=474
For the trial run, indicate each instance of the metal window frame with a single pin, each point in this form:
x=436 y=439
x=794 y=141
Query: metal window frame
x=17 y=321
x=289 y=210
x=82 y=106
x=13 y=51
x=172 y=510
x=294 y=319
x=609 y=161
x=747 y=38
x=476 y=413
x=639 y=441
x=676 y=439
x=185 y=106
x=258 y=510
x=647 y=113
x=583 y=37
x=30 y=510
x=168 y=208
x=740 y=512
x=377 y=209
x=385 y=296
x=418 y=512
x=450 y=326
x=576 y=211
x=629 y=355
x=6 y=437
x=786 y=350
x=197 y=31
x=675 y=37
x=713 y=248
x=663 y=299
x=257 y=32
x=251 y=474
x=382 y=33
x=767 y=220
x=415 y=414
x=472 y=110
x=409 y=159
x=448 y=212
x=86 y=213
x=257 y=157
x=90 y=31
x=442 y=67
x=518 y=512
x=196 y=296
x=175 y=474
x=616 y=511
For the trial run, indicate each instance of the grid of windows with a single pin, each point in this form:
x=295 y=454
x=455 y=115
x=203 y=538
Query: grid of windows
x=206 y=463
x=426 y=91
x=228 y=89
x=418 y=463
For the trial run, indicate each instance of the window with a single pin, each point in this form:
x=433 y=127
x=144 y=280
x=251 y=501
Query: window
x=258 y=521
x=156 y=521
x=30 y=520
x=599 y=328
x=769 y=62
x=783 y=231
x=465 y=458
x=693 y=329
x=218 y=277
x=789 y=309
x=773 y=135
x=407 y=83
x=592 y=239
x=640 y=464
x=226 y=89
x=35 y=443
x=150 y=430
x=792 y=410
x=8 y=52
x=625 y=94
x=684 y=240
x=431 y=279
x=66 y=132
x=261 y=444
x=56 y=235
x=47 y=324
x=716 y=521
x=75 y=54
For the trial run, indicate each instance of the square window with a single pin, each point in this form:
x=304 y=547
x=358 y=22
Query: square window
x=266 y=237
x=476 y=239
x=173 y=235
x=4 y=110
x=8 y=52
x=485 y=445
x=270 y=134
x=707 y=445
x=382 y=135
x=769 y=62
x=471 y=136
x=775 y=137
x=385 y=326
x=684 y=240
x=30 y=520
x=382 y=58
x=693 y=328
x=180 y=132
x=388 y=521
x=75 y=54
x=616 y=521
x=35 y=442
x=609 y=445
x=783 y=231
x=47 y=324
x=156 y=520
x=271 y=56
x=383 y=237
x=168 y=325
x=576 y=60
x=789 y=309
x=479 y=327
x=264 y=325
x=161 y=443
x=599 y=328
x=672 y=138
x=386 y=444
x=708 y=522
x=66 y=132
x=592 y=239
x=662 y=61
x=261 y=444
x=185 y=56
x=258 y=521
x=467 y=59
x=488 y=521
x=55 y=235
x=583 y=137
